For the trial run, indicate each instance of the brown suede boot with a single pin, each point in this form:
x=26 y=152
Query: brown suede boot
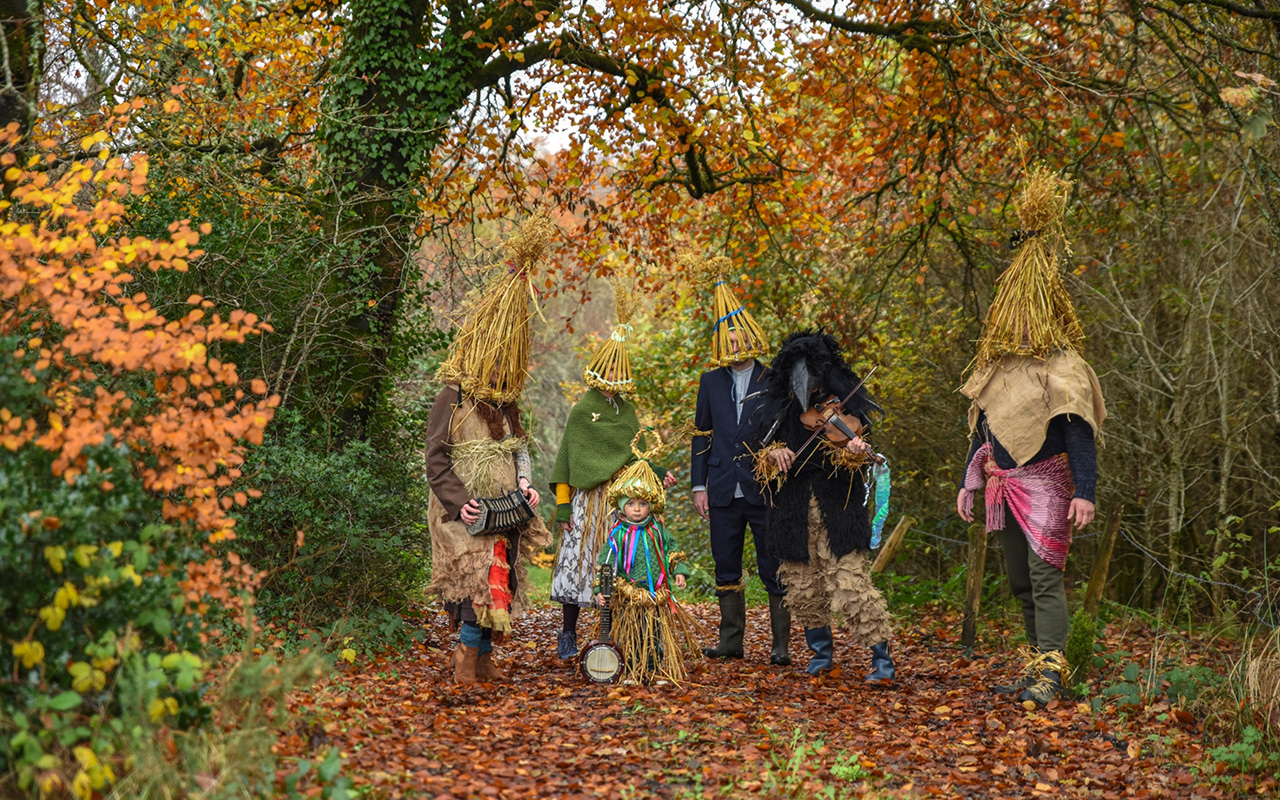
x=464 y=664
x=486 y=670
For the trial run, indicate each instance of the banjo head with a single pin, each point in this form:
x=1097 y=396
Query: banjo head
x=601 y=662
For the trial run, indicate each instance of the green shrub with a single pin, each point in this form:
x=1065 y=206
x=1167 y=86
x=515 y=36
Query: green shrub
x=362 y=515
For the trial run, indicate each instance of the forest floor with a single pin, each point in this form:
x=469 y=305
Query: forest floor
x=746 y=729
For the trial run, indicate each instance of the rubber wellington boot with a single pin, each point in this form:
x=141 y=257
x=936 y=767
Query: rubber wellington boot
x=733 y=624
x=823 y=648
x=780 y=623
x=882 y=668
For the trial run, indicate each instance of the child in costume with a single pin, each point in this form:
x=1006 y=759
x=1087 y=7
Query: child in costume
x=650 y=629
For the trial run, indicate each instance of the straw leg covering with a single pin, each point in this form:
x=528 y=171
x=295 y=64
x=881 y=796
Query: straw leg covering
x=654 y=637
x=828 y=587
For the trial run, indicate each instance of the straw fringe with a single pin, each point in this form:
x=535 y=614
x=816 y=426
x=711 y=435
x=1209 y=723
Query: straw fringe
x=610 y=368
x=654 y=634
x=487 y=461
x=638 y=479
x=752 y=342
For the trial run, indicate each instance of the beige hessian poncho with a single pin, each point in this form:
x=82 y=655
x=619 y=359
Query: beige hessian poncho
x=1022 y=393
x=460 y=562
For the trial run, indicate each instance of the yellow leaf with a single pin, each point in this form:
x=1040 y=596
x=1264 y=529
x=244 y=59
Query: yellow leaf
x=31 y=653
x=85 y=757
x=81 y=787
x=55 y=555
x=157 y=709
x=349 y=655
x=52 y=617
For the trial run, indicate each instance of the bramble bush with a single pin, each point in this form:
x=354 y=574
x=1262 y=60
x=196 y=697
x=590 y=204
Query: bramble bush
x=123 y=439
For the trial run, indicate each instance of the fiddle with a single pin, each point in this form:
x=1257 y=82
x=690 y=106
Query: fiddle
x=829 y=419
x=836 y=424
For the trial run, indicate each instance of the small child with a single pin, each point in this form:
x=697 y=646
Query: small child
x=649 y=627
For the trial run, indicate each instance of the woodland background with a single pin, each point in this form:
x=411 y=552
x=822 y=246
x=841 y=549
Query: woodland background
x=215 y=452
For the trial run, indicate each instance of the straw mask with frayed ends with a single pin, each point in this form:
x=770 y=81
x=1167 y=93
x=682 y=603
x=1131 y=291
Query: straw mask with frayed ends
x=490 y=352
x=729 y=314
x=638 y=479
x=1032 y=314
x=610 y=368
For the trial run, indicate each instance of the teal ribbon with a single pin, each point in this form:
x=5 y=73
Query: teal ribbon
x=880 y=477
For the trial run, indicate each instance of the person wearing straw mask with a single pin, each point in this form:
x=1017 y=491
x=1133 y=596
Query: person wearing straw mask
x=1036 y=409
x=724 y=487
x=596 y=445
x=477 y=448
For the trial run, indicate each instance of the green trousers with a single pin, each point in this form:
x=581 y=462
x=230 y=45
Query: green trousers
x=1038 y=586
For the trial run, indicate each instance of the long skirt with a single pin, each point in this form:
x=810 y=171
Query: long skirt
x=574 y=576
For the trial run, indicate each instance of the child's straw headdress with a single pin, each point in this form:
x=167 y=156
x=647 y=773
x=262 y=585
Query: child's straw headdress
x=1032 y=314
x=729 y=314
x=638 y=479
x=489 y=355
x=610 y=368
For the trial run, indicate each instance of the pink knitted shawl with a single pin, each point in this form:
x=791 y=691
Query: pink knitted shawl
x=1039 y=496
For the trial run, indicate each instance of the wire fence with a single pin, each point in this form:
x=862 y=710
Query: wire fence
x=1257 y=603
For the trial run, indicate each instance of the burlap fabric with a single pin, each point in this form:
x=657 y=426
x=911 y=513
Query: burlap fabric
x=828 y=588
x=1020 y=394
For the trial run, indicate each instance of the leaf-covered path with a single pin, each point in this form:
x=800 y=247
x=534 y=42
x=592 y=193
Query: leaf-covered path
x=737 y=729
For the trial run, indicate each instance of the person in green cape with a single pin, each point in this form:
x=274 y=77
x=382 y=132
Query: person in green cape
x=595 y=447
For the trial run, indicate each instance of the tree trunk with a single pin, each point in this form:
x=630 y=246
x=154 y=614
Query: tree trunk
x=22 y=37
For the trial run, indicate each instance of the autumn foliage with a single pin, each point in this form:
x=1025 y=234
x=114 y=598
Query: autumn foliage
x=123 y=437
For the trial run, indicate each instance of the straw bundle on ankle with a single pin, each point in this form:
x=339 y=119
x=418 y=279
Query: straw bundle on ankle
x=729 y=313
x=490 y=351
x=1032 y=314
x=610 y=368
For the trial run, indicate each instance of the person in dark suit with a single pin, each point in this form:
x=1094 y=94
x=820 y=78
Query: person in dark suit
x=726 y=494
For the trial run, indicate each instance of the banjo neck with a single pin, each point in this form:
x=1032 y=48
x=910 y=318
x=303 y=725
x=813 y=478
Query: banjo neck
x=606 y=612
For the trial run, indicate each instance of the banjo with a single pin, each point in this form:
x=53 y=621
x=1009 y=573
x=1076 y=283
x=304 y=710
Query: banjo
x=601 y=660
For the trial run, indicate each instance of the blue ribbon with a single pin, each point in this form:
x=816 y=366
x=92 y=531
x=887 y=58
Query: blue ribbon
x=733 y=313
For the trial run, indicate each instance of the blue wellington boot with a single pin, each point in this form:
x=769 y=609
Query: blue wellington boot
x=823 y=648
x=567 y=645
x=882 y=665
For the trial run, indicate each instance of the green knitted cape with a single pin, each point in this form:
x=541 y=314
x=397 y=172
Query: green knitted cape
x=597 y=441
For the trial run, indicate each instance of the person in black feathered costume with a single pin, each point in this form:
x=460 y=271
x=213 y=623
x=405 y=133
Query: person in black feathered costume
x=818 y=523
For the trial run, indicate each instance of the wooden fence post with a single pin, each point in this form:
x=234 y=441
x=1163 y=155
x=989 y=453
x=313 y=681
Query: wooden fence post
x=890 y=546
x=973 y=588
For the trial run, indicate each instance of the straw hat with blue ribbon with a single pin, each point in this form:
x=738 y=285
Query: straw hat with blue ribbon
x=729 y=314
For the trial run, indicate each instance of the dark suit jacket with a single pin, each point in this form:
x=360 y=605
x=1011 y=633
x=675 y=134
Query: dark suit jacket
x=716 y=463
